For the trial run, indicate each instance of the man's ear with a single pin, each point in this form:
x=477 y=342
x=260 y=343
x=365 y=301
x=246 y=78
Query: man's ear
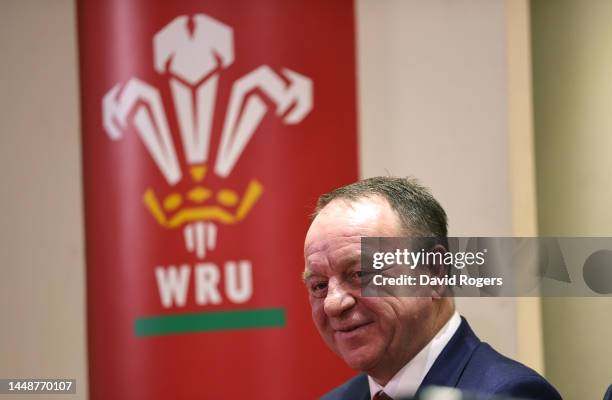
x=438 y=270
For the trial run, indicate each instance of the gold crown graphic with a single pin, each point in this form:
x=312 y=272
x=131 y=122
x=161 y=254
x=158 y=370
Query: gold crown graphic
x=200 y=203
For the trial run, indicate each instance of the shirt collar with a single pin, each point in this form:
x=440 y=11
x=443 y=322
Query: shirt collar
x=407 y=380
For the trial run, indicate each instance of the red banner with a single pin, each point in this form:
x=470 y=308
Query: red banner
x=209 y=130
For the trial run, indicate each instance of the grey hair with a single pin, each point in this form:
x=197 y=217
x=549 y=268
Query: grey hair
x=419 y=212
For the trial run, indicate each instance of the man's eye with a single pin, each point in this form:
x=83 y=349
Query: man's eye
x=360 y=277
x=318 y=288
x=357 y=275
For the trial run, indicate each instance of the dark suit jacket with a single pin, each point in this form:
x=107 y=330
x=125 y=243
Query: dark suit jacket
x=468 y=364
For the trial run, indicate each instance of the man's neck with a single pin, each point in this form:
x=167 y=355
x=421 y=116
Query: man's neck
x=406 y=382
x=386 y=370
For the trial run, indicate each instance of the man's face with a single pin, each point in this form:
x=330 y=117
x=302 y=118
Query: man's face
x=369 y=333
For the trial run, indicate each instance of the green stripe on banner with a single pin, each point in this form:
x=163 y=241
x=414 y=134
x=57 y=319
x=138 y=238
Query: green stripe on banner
x=210 y=321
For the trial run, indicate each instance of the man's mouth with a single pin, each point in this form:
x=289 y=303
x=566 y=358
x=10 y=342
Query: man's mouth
x=351 y=328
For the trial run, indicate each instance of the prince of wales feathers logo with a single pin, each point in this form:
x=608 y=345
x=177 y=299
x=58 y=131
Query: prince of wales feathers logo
x=193 y=60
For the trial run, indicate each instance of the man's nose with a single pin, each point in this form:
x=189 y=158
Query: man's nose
x=338 y=299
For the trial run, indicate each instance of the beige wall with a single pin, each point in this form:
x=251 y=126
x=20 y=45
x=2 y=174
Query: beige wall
x=572 y=56
x=522 y=169
x=434 y=104
x=42 y=275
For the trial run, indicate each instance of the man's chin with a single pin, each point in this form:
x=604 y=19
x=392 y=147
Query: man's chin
x=360 y=359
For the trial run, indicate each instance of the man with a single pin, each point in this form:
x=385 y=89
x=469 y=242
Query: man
x=400 y=343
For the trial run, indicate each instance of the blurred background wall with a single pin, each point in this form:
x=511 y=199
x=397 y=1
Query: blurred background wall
x=572 y=64
x=434 y=104
x=444 y=95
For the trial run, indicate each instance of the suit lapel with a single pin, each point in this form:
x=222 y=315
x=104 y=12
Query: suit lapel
x=448 y=367
x=359 y=389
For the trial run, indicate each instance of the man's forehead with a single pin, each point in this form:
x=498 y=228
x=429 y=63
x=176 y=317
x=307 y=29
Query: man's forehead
x=335 y=234
x=336 y=255
x=365 y=216
x=359 y=209
x=338 y=243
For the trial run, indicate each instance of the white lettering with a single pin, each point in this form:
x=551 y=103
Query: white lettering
x=238 y=292
x=207 y=277
x=172 y=284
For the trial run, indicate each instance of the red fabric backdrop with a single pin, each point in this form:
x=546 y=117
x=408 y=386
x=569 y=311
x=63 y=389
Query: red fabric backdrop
x=304 y=144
